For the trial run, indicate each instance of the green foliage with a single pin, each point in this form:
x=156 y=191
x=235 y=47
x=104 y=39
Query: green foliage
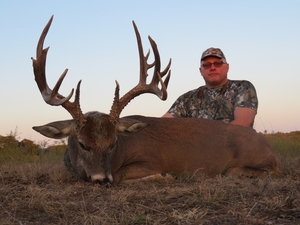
x=287 y=148
x=26 y=151
x=53 y=153
x=15 y=154
x=285 y=144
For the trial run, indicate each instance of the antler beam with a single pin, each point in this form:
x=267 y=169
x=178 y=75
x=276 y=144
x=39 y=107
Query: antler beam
x=142 y=86
x=52 y=97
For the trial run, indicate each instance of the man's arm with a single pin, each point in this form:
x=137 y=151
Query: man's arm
x=168 y=115
x=244 y=117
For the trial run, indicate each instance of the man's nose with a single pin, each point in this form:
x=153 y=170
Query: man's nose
x=212 y=67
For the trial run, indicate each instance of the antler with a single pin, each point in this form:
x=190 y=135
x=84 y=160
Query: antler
x=52 y=97
x=142 y=86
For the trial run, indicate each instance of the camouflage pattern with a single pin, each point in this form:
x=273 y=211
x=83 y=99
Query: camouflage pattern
x=216 y=103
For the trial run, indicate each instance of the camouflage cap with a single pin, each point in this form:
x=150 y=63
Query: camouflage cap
x=216 y=52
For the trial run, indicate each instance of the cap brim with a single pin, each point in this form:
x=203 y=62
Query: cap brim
x=212 y=55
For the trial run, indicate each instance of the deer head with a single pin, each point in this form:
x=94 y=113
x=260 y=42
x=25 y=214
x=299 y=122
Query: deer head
x=94 y=134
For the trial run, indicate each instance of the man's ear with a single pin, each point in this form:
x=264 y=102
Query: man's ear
x=200 y=69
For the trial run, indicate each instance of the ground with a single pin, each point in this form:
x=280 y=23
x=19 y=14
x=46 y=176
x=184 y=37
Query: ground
x=47 y=194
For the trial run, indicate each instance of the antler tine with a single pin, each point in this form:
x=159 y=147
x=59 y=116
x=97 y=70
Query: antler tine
x=142 y=86
x=40 y=44
x=157 y=75
x=143 y=66
x=52 y=97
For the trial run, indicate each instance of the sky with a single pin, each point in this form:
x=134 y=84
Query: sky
x=95 y=40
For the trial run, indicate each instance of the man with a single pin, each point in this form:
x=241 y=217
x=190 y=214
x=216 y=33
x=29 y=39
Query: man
x=230 y=101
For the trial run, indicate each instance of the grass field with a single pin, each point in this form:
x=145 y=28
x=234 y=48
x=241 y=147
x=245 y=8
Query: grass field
x=36 y=189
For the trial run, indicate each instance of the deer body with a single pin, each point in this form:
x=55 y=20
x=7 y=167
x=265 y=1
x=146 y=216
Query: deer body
x=169 y=145
x=186 y=145
x=106 y=148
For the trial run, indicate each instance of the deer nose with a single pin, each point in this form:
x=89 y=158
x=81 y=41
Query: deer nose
x=102 y=179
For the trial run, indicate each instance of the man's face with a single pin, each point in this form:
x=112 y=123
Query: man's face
x=214 y=71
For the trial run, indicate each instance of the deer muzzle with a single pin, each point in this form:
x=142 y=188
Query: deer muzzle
x=105 y=180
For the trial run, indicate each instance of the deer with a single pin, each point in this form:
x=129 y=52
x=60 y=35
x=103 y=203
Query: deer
x=107 y=149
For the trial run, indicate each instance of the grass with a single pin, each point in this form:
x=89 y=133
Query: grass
x=287 y=147
x=35 y=188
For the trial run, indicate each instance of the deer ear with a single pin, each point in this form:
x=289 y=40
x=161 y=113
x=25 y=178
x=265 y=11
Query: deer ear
x=126 y=126
x=57 y=130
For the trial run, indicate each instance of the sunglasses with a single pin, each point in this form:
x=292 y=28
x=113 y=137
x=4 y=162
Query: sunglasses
x=217 y=64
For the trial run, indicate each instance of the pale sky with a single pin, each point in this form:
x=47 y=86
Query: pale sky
x=95 y=40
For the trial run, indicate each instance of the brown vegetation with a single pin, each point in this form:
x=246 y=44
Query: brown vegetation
x=39 y=190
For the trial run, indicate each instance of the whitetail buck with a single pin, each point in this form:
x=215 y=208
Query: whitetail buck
x=105 y=148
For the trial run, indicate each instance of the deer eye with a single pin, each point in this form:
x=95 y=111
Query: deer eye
x=83 y=146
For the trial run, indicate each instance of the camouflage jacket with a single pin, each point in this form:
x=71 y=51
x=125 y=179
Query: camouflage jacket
x=216 y=103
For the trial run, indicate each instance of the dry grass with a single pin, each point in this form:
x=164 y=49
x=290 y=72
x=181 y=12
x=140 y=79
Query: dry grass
x=43 y=192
